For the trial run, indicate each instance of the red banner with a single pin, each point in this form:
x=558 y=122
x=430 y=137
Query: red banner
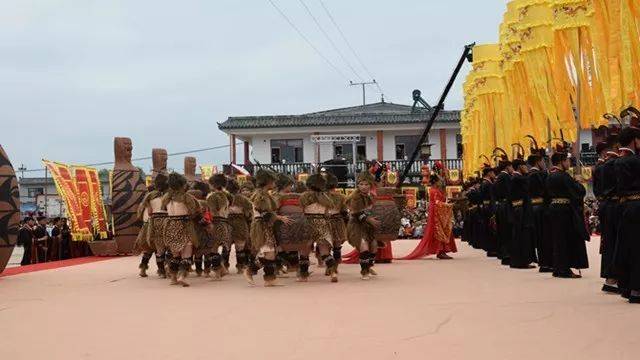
x=99 y=212
x=65 y=184
x=83 y=194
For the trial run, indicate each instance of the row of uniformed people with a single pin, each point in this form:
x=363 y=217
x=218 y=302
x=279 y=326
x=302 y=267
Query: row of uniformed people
x=523 y=214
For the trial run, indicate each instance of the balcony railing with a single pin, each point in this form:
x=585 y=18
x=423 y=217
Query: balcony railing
x=395 y=165
x=587 y=158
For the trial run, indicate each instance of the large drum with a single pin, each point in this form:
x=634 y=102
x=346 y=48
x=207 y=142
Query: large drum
x=385 y=209
x=9 y=209
x=292 y=237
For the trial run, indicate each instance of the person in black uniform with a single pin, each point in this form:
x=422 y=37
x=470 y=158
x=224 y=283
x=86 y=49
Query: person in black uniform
x=487 y=233
x=627 y=253
x=537 y=178
x=475 y=202
x=25 y=239
x=567 y=228
x=470 y=216
x=501 y=190
x=41 y=238
x=65 y=239
x=601 y=150
x=522 y=250
x=54 y=249
x=604 y=188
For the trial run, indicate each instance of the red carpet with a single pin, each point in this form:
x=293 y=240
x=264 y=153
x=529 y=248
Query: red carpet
x=52 y=265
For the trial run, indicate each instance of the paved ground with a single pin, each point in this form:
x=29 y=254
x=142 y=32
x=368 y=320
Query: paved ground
x=466 y=308
x=16 y=257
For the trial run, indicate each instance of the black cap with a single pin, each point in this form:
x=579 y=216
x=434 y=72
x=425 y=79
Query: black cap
x=628 y=134
x=602 y=146
x=558 y=157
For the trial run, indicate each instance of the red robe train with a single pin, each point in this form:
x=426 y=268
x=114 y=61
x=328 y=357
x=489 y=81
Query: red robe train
x=438 y=236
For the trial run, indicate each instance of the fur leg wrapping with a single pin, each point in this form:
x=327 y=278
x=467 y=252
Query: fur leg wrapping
x=329 y=261
x=226 y=253
x=160 y=264
x=144 y=262
x=293 y=259
x=269 y=269
x=365 y=262
x=216 y=260
x=174 y=265
x=304 y=266
x=241 y=258
x=337 y=254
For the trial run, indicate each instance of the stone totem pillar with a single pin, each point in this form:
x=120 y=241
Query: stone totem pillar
x=159 y=158
x=127 y=193
x=9 y=209
x=190 y=170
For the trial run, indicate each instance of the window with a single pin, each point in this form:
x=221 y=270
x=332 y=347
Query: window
x=362 y=152
x=275 y=155
x=459 y=148
x=288 y=151
x=406 y=145
x=345 y=150
x=400 y=152
x=33 y=192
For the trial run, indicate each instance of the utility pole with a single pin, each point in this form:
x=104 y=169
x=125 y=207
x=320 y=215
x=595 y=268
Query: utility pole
x=22 y=169
x=364 y=98
x=46 y=193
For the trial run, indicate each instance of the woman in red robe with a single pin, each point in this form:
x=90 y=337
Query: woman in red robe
x=438 y=235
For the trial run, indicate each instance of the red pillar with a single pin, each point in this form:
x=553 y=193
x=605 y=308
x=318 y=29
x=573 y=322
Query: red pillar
x=232 y=143
x=316 y=155
x=246 y=153
x=443 y=144
x=380 y=145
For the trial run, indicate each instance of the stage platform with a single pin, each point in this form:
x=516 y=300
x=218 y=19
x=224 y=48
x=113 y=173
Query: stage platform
x=466 y=308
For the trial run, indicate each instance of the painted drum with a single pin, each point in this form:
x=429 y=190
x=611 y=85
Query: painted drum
x=385 y=209
x=291 y=237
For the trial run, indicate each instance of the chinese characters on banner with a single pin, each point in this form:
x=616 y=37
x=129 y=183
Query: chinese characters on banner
x=97 y=203
x=81 y=191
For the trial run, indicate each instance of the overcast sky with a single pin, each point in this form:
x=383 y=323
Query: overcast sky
x=74 y=74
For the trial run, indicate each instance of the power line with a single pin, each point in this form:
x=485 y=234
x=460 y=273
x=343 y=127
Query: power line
x=326 y=10
x=308 y=41
x=326 y=35
x=149 y=157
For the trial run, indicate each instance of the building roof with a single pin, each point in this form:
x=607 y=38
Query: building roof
x=381 y=113
x=35 y=181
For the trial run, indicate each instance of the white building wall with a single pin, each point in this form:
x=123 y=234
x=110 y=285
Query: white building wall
x=434 y=139
x=308 y=149
x=452 y=149
x=261 y=148
x=371 y=142
x=388 y=146
x=326 y=152
x=261 y=141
